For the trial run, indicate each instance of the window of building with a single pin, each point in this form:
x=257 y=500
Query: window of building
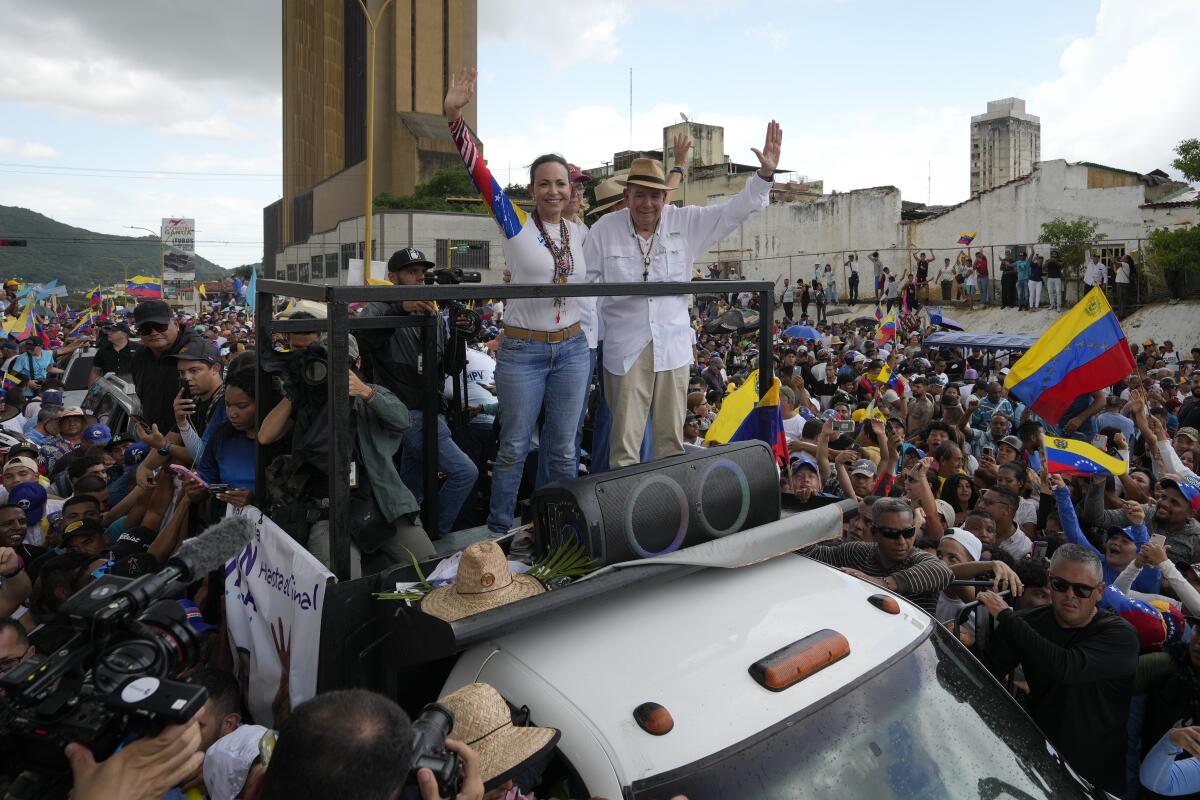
x=349 y=251
x=318 y=267
x=292 y=271
x=331 y=265
x=468 y=254
x=303 y=276
x=1111 y=254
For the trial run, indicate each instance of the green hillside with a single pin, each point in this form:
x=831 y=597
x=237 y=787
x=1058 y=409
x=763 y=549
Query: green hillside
x=77 y=257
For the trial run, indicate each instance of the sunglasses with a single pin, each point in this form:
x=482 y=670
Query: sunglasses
x=1081 y=590
x=151 y=327
x=895 y=533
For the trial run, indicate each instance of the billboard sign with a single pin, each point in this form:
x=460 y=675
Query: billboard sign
x=179 y=250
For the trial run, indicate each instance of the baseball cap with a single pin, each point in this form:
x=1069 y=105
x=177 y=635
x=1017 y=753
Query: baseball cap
x=197 y=349
x=52 y=397
x=154 y=311
x=21 y=461
x=1013 y=442
x=97 y=434
x=1189 y=489
x=799 y=460
x=968 y=540
x=83 y=527
x=227 y=763
x=31 y=498
x=134 y=453
x=946 y=512
x=864 y=466
x=1189 y=432
x=121 y=326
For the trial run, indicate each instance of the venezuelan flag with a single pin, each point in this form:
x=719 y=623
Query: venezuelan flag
x=11 y=381
x=200 y=290
x=1073 y=457
x=82 y=324
x=887 y=330
x=95 y=298
x=508 y=216
x=885 y=377
x=141 y=286
x=878 y=314
x=765 y=422
x=734 y=409
x=1082 y=352
x=966 y=238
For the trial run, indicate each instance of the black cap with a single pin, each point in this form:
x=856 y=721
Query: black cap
x=155 y=311
x=121 y=326
x=198 y=349
x=408 y=257
x=83 y=527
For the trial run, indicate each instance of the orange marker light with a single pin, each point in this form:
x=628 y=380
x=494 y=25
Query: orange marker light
x=653 y=719
x=884 y=602
x=792 y=664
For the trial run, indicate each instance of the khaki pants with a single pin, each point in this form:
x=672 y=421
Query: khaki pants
x=642 y=393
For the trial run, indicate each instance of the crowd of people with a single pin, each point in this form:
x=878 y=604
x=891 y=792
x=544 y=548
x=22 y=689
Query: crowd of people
x=1093 y=580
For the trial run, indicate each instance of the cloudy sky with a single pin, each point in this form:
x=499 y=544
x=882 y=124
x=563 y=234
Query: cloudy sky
x=117 y=114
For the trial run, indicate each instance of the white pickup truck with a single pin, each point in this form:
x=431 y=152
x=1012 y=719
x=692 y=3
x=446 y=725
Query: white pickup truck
x=782 y=678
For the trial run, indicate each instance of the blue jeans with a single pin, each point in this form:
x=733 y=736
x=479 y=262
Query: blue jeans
x=985 y=293
x=529 y=374
x=1022 y=292
x=543 y=467
x=461 y=472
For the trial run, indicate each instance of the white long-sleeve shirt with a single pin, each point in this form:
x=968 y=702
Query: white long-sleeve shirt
x=612 y=256
x=1094 y=273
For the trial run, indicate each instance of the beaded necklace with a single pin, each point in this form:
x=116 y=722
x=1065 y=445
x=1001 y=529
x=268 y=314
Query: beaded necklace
x=564 y=260
x=646 y=253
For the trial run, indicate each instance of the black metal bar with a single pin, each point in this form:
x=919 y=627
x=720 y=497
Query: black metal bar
x=337 y=384
x=305 y=291
x=430 y=375
x=766 y=312
x=354 y=323
x=505 y=291
x=262 y=386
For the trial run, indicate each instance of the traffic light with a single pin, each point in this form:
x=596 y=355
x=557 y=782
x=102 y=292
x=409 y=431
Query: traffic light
x=13 y=242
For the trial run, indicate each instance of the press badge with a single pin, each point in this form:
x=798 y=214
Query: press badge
x=353 y=474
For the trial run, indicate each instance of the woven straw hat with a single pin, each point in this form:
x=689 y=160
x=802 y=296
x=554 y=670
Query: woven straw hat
x=646 y=172
x=484 y=582
x=608 y=194
x=483 y=721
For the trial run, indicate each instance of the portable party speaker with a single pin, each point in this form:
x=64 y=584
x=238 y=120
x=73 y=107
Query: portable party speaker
x=651 y=509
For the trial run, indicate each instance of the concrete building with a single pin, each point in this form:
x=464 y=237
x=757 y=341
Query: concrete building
x=1005 y=144
x=1178 y=209
x=418 y=45
x=786 y=239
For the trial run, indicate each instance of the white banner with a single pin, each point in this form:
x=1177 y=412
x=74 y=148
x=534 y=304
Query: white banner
x=274 y=598
x=357 y=276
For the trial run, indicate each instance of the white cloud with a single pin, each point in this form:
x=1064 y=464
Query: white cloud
x=1126 y=92
x=11 y=147
x=567 y=32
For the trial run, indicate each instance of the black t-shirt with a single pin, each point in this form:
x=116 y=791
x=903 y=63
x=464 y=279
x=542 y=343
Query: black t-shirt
x=1052 y=268
x=156 y=380
x=1080 y=684
x=922 y=269
x=109 y=359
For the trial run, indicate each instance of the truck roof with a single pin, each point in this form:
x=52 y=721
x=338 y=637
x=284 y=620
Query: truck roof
x=688 y=645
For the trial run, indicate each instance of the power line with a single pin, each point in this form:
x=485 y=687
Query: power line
x=141 y=171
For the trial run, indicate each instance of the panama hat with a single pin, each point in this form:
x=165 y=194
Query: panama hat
x=484 y=582
x=312 y=308
x=608 y=194
x=646 y=172
x=483 y=721
x=53 y=426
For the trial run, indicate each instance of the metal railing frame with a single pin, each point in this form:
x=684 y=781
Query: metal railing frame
x=339 y=323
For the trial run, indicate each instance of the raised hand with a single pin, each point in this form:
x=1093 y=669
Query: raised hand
x=768 y=157
x=682 y=144
x=462 y=89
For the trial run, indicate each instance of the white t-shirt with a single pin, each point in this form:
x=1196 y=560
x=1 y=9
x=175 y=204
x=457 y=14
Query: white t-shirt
x=793 y=428
x=481 y=370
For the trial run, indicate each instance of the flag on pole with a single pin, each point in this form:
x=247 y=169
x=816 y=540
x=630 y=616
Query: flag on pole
x=878 y=313
x=765 y=423
x=734 y=410
x=1073 y=457
x=965 y=239
x=886 y=331
x=95 y=298
x=82 y=324
x=202 y=291
x=886 y=378
x=22 y=326
x=1083 y=351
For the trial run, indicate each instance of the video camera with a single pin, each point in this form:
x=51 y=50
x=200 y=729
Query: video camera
x=429 y=749
x=451 y=275
x=108 y=666
x=299 y=371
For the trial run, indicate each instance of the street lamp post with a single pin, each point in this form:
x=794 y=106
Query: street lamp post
x=162 y=269
x=370 y=165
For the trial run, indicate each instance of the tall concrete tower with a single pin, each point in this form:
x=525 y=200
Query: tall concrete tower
x=1005 y=144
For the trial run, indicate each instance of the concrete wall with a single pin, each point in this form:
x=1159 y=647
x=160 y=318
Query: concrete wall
x=1170 y=216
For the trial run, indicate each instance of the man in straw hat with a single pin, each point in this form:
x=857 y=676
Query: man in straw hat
x=483 y=720
x=648 y=340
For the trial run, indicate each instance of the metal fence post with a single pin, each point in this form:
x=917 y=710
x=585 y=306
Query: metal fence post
x=341 y=442
x=431 y=371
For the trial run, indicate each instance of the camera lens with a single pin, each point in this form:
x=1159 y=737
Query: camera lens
x=315 y=372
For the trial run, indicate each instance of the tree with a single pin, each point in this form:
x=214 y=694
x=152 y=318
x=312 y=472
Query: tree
x=1188 y=161
x=1071 y=239
x=1177 y=249
x=449 y=181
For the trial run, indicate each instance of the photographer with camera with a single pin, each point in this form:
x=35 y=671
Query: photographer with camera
x=396 y=360
x=354 y=743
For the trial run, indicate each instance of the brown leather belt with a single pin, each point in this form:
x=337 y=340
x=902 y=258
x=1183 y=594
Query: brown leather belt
x=550 y=337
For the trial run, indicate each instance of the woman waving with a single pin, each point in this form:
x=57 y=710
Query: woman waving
x=543 y=353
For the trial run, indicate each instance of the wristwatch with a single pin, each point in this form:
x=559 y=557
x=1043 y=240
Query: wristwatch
x=165 y=450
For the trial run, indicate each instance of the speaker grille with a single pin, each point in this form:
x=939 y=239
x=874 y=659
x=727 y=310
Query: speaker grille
x=649 y=512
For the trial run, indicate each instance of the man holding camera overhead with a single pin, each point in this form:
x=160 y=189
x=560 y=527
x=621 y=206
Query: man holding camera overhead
x=396 y=357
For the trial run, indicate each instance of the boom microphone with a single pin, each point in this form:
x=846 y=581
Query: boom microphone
x=194 y=558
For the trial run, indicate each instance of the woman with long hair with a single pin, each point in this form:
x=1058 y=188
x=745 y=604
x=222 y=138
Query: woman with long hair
x=543 y=353
x=961 y=493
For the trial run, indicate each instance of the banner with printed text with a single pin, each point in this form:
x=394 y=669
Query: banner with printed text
x=274 y=598
x=179 y=250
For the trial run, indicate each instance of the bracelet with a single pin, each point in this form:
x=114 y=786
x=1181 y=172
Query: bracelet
x=677 y=169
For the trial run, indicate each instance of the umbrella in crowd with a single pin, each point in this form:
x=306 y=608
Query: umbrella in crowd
x=802 y=332
x=735 y=320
